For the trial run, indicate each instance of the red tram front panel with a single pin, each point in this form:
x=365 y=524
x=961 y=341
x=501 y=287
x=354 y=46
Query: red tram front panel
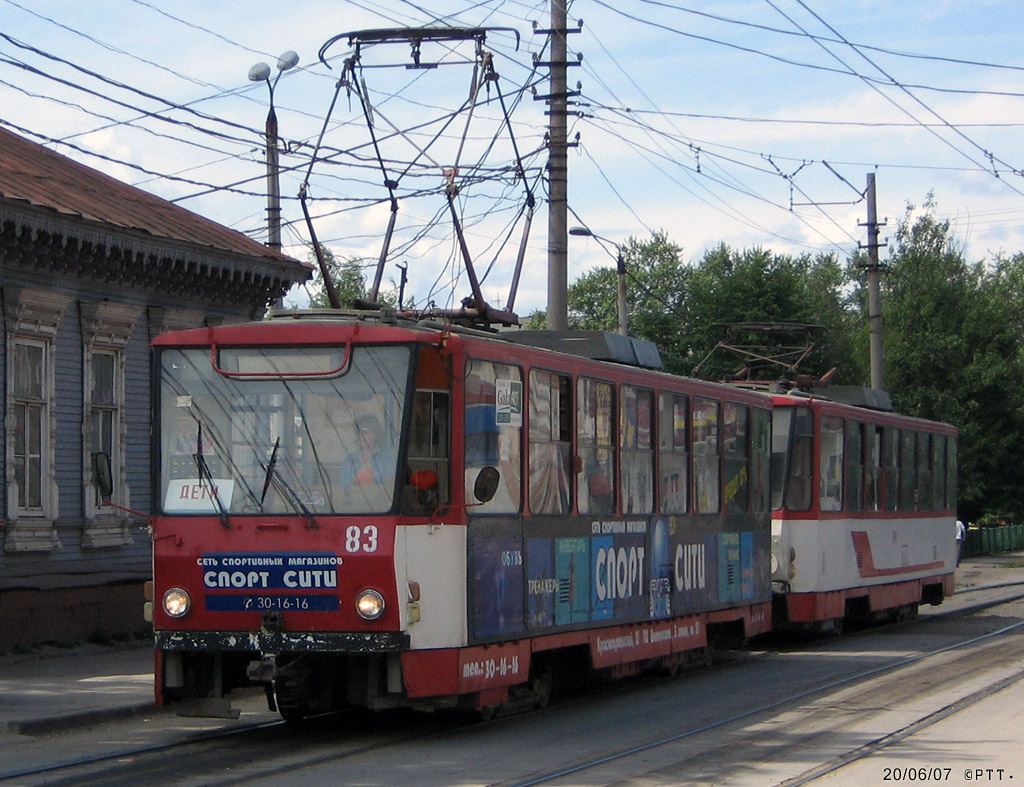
x=264 y=568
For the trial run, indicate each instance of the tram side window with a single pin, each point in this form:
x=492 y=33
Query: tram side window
x=736 y=448
x=891 y=458
x=924 y=471
x=908 y=470
x=595 y=483
x=830 y=465
x=760 y=469
x=706 y=467
x=493 y=433
x=950 y=474
x=938 y=472
x=792 y=458
x=873 y=467
x=550 y=442
x=854 y=466
x=637 y=450
x=673 y=459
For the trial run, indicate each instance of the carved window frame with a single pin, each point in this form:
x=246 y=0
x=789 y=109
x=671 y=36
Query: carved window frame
x=106 y=331
x=32 y=318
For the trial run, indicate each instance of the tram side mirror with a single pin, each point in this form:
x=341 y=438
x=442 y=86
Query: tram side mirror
x=101 y=474
x=486 y=484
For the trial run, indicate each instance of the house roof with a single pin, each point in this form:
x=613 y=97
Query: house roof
x=33 y=174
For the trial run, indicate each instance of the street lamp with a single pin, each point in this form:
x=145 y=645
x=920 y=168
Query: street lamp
x=620 y=263
x=261 y=73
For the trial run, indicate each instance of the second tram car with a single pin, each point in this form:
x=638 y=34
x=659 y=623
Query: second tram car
x=864 y=522
x=357 y=513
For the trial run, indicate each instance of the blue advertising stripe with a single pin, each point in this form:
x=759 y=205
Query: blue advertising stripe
x=223 y=602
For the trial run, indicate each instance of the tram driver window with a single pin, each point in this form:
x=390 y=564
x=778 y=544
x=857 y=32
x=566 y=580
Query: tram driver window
x=426 y=482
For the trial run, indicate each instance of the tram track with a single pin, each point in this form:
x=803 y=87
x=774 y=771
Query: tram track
x=250 y=744
x=378 y=733
x=67 y=766
x=902 y=734
x=787 y=703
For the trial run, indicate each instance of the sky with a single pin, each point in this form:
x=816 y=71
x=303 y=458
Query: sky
x=753 y=123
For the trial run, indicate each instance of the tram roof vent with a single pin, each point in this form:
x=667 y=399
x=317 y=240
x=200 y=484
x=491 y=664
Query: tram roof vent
x=598 y=345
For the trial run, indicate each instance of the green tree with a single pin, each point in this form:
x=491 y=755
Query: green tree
x=757 y=286
x=654 y=286
x=348 y=279
x=682 y=308
x=952 y=333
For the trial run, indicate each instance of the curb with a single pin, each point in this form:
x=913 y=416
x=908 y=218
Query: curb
x=72 y=721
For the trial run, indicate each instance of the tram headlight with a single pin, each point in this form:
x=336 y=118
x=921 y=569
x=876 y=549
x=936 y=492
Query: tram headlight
x=177 y=603
x=370 y=605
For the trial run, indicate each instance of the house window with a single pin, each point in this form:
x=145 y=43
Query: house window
x=106 y=329
x=31 y=410
x=31 y=321
x=105 y=411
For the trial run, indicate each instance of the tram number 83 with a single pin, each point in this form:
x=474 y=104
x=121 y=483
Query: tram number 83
x=361 y=539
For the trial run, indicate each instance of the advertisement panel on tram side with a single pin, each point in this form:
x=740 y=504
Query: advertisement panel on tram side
x=607 y=572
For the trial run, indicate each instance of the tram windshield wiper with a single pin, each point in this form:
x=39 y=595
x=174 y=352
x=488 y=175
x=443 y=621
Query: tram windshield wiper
x=270 y=470
x=281 y=485
x=292 y=497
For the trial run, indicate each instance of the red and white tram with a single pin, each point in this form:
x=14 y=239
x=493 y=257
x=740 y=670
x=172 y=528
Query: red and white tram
x=863 y=522
x=356 y=513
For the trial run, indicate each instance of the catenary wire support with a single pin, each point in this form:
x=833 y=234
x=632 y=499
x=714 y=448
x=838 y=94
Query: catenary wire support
x=483 y=75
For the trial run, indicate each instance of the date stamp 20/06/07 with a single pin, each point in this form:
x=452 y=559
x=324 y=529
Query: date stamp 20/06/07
x=944 y=774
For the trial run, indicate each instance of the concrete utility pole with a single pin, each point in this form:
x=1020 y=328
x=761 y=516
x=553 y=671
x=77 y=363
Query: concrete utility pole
x=558 y=166
x=261 y=73
x=874 y=289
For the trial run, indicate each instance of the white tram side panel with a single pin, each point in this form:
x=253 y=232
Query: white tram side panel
x=430 y=575
x=819 y=556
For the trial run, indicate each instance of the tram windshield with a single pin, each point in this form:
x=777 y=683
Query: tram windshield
x=297 y=431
